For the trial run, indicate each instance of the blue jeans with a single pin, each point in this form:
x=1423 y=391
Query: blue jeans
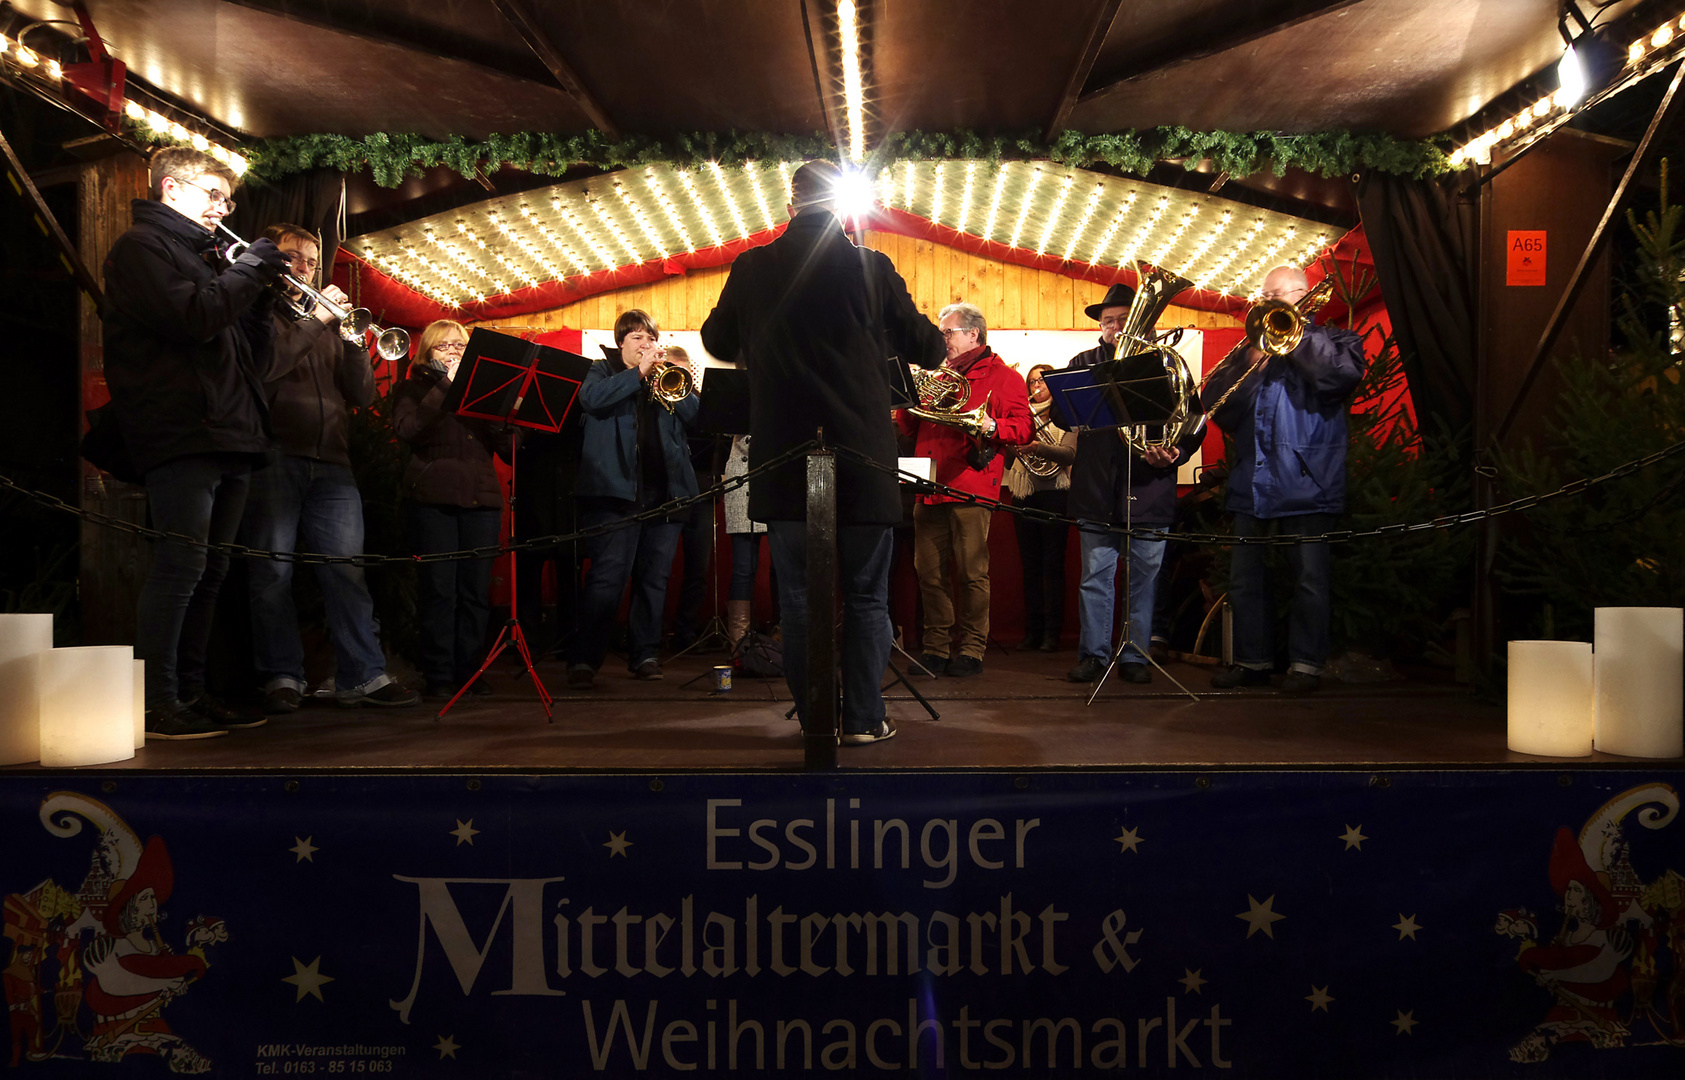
x=453 y=598
x=1099 y=570
x=1308 y=617
x=318 y=503
x=641 y=554
x=863 y=556
x=202 y=496
x=745 y=564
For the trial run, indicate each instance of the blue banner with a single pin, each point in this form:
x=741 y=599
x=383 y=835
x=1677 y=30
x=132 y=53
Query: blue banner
x=1260 y=924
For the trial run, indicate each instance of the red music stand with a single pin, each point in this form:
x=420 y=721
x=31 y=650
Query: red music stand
x=520 y=384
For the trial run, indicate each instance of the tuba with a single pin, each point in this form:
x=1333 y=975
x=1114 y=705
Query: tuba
x=670 y=383
x=1154 y=290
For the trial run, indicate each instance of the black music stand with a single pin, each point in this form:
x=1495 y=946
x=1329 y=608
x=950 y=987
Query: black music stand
x=1129 y=392
x=521 y=384
x=724 y=410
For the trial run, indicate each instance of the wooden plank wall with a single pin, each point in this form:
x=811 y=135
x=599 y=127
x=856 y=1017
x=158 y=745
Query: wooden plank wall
x=113 y=564
x=1012 y=297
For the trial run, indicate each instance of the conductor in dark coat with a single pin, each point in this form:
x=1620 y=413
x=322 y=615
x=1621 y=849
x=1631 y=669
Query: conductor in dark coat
x=814 y=318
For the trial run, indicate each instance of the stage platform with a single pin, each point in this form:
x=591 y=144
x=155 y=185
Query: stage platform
x=1020 y=713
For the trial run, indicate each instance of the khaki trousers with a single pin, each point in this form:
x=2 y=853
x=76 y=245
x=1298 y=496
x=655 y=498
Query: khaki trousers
x=959 y=534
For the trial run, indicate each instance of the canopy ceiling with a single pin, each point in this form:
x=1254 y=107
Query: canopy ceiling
x=476 y=67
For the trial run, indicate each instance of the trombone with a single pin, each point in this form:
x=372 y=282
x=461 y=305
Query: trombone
x=354 y=325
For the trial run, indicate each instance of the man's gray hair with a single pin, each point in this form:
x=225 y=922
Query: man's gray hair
x=971 y=318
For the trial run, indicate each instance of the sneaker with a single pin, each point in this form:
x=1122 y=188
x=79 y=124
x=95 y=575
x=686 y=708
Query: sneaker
x=176 y=722
x=219 y=714
x=393 y=695
x=1135 y=673
x=936 y=665
x=281 y=700
x=963 y=667
x=884 y=730
x=1300 y=682
x=1236 y=675
x=581 y=677
x=1088 y=669
x=648 y=670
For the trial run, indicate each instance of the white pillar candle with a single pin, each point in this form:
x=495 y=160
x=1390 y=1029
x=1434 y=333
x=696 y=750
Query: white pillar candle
x=1550 y=698
x=1641 y=681
x=87 y=705
x=23 y=638
x=140 y=704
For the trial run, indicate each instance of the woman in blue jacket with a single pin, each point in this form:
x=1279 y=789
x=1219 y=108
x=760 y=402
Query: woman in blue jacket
x=634 y=458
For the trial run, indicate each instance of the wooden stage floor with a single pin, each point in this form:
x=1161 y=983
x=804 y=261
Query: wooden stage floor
x=1020 y=713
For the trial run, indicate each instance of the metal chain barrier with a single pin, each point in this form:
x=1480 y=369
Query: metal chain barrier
x=1338 y=536
x=243 y=551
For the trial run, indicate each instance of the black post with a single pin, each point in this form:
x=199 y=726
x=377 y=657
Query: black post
x=819 y=711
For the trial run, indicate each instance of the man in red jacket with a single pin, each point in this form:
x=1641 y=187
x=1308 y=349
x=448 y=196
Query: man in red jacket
x=946 y=529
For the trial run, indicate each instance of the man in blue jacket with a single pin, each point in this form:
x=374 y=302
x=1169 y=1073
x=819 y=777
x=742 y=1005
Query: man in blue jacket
x=634 y=457
x=1288 y=422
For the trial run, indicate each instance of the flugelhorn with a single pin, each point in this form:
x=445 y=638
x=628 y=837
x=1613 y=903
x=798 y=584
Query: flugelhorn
x=355 y=325
x=669 y=383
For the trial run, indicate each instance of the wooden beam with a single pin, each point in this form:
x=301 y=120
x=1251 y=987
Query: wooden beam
x=1198 y=47
x=49 y=225
x=1098 y=29
x=539 y=42
x=491 y=62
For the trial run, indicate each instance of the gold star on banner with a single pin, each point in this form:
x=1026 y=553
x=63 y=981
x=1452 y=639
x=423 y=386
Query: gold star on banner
x=1130 y=840
x=464 y=832
x=308 y=979
x=304 y=849
x=1191 y=982
x=447 y=1046
x=1260 y=916
x=1406 y=926
x=1405 y=1022
x=1353 y=836
x=1319 y=998
x=617 y=844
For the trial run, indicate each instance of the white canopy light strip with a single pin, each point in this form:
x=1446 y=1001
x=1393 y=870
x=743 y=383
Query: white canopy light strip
x=854 y=94
x=612 y=221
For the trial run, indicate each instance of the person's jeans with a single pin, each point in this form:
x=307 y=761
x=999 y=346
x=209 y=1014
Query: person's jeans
x=954 y=534
x=202 y=496
x=863 y=555
x=1099 y=570
x=641 y=554
x=316 y=503
x=1041 y=548
x=745 y=564
x=453 y=598
x=1308 y=616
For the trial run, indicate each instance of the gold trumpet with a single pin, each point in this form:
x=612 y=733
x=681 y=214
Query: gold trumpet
x=670 y=383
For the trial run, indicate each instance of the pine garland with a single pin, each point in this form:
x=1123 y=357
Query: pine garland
x=390 y=158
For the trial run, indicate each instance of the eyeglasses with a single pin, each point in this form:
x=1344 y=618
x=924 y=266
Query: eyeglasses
x=958 y=330
x=1282 y=294
x=299 y=262
x=454 y=346
x=1112 y=320
x=217 y=197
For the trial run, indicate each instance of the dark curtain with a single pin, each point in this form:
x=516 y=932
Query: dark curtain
x=1424 y=236
x=311 y=199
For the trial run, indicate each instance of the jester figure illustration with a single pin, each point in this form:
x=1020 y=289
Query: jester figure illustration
x=1614 y=966
x=96 y=955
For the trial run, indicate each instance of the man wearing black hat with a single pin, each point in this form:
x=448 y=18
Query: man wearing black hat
x=1102 y=479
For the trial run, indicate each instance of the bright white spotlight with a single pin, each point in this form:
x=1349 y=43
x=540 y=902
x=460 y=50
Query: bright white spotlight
x=1571 y=77
x=855 y=195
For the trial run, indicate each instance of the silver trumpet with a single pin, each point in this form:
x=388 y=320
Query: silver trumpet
x=355 y=325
